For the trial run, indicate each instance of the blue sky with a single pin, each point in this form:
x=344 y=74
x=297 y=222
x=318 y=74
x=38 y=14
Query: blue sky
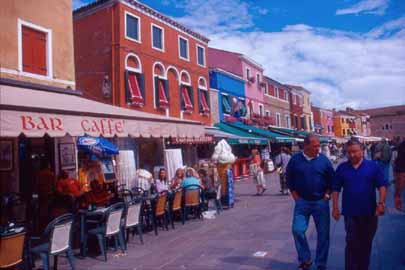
x=346 y=52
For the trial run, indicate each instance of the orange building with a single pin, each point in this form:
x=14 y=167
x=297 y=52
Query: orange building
x=344 y=124
x=132 y=56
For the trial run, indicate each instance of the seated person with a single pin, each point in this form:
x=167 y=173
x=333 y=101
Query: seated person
x=161 y=183
x=97 y=195
x=208 y=185
x=177 y=179
x=67 y=185
x=190 y=179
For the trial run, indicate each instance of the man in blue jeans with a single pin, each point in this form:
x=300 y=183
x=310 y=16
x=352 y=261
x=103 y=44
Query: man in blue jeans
x=309 y=176
x=359 y=179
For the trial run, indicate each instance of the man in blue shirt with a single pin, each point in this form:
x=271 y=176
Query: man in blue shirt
x=309 y=176
x=359 y=179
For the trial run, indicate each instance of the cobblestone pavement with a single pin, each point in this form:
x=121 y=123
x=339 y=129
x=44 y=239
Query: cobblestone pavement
x=230 y=240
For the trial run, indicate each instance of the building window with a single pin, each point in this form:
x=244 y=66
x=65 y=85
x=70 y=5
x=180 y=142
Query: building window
x=261 y=109
x=200 y=55
x=266 y=89
x=132 y=26
x=285 y=95
x=226 y=105
x=203 y=98
x=296 y=121
x=344 y=132
x=288 y=121
x=247 y=74
x=158 y=38
x=276 y=92
x=267 y=113
x=34 y=51
x=294 y=99
x=278 y=119
x=183 y=48
x=134 y=82
x=258 y=80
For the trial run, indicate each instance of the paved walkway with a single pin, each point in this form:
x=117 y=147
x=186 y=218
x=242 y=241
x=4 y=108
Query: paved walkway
x=230 y=240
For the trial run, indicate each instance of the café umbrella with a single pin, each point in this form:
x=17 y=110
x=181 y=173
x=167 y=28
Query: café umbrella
x=98 y=146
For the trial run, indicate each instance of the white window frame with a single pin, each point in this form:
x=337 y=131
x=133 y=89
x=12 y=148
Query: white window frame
x=261 y=109
x=276 y=93
x=247 y=77
x=285 y=95
x=188 y=48
x=139 y=40
x=278 y=119
x=163 y=37
x=266 y=89
x=137 y=70
x=204 y=58
x=200 y=86
x=49 y=56
x=287 y=121
x=154 y=84
x=294 y=96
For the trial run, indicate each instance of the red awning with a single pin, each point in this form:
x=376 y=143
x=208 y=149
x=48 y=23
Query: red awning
x=188 y=106
x=135 y=92
x=163 y=102
x=204 y=103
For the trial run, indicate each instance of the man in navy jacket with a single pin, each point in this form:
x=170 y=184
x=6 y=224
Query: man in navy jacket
x=359 y=178
x=309 y=176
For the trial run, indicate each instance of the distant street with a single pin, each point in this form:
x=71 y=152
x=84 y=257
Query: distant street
x=255 y=224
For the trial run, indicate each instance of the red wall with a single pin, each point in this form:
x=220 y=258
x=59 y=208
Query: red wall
x=228 y=61
x=296 y=109
x=92 y=41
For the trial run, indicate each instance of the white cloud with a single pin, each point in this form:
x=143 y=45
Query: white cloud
x=339 y=68
x=394 y=27
x=376 y=7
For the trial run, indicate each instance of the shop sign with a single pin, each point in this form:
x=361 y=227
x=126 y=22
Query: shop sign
x=186 y=140
x=87 y=125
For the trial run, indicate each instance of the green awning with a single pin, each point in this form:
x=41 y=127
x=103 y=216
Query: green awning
x=236 y=136
x=298 y=133
x=274 y=137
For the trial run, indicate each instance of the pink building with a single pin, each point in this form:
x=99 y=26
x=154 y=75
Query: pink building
x=244 y=67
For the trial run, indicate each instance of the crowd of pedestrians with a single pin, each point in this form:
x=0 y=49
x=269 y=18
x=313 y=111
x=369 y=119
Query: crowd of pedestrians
x=364 y=169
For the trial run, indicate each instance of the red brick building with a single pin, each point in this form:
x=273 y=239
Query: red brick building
x=132 y=56
x=388 y=122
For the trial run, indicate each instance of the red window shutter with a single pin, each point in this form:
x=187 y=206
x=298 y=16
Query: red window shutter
x=34 y=51
x=27 y=50
x=188 y=106
x=163 y=102
x=204 y=103
x=134 y=90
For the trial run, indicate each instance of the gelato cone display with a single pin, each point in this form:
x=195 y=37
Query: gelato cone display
x=225 y=158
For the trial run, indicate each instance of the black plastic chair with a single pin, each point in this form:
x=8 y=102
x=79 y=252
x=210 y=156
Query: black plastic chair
x=109 y=228
x=192 y=201
x=56 y=240
x=125 y=195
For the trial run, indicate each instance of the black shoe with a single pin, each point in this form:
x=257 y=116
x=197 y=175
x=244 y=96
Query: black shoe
x=257 y=194
x=264 y=189
x=306 y=265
